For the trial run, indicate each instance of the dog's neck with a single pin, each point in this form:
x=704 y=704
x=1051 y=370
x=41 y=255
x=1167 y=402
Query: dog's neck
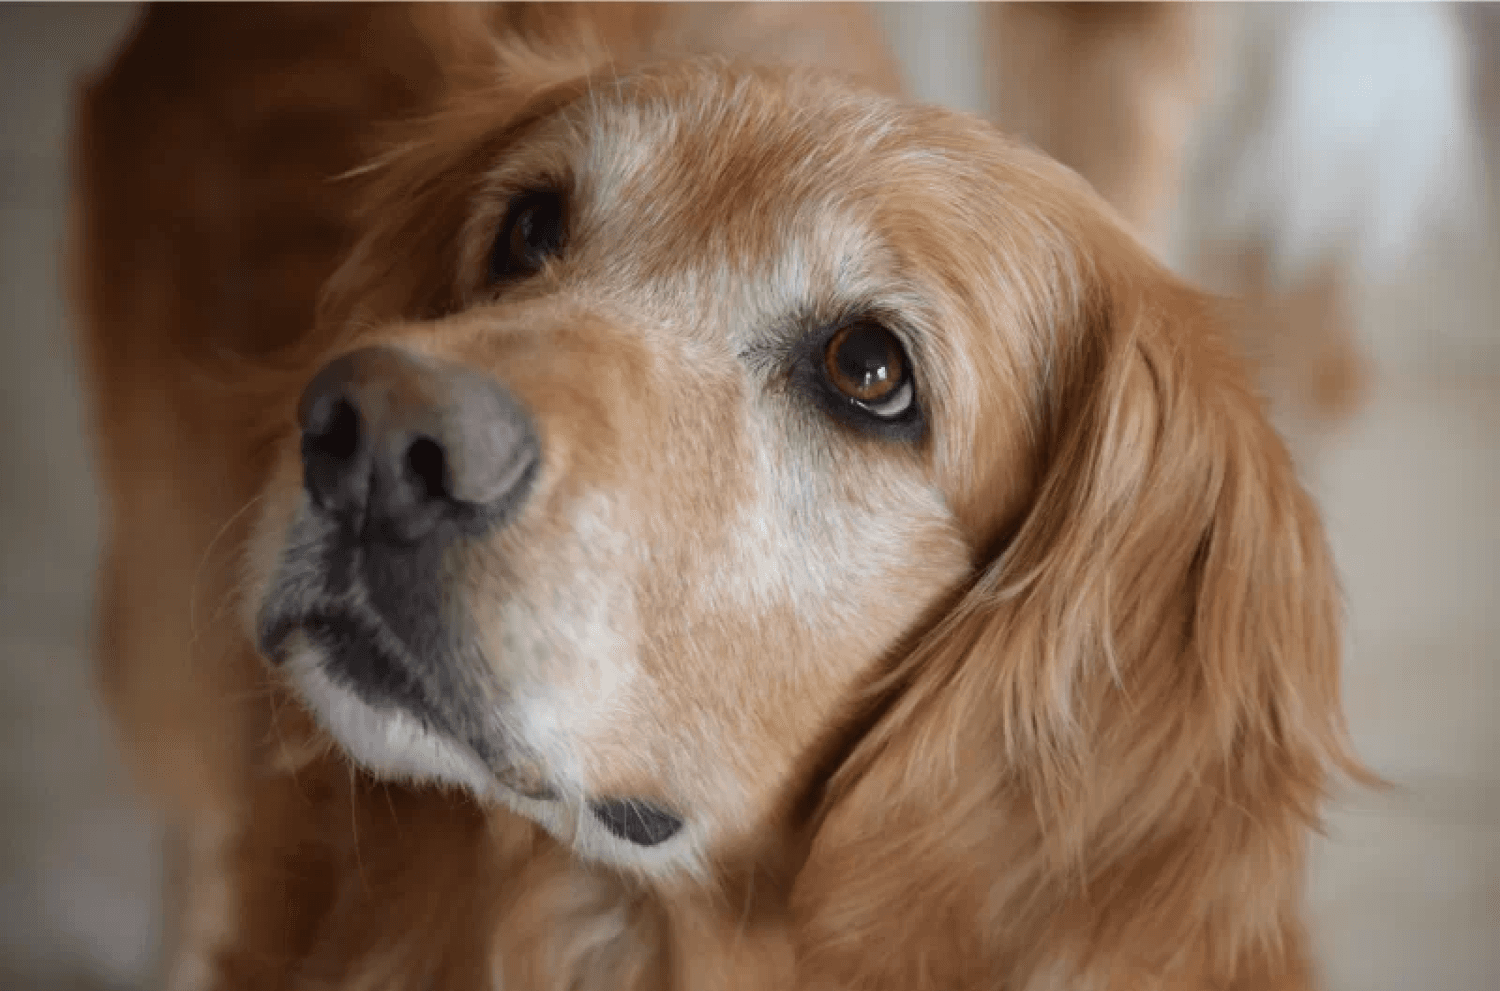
x=422 y=887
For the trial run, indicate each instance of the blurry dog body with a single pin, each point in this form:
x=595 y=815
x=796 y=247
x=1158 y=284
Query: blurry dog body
x=1317 y=167
x=810 y=539
x=1282 y=136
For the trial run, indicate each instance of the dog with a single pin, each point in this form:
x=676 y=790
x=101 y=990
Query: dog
x=670 y=519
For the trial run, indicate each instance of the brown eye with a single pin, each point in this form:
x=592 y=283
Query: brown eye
x=531 y=233
x=866 y=363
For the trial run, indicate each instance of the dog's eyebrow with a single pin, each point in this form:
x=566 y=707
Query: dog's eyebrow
x=785 y=337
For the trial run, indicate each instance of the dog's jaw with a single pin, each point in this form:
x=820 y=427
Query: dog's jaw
x=393 y=745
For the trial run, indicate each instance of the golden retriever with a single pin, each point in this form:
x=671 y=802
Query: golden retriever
x=723 y=526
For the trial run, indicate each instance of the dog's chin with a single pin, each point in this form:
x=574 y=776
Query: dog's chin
x=393 y=744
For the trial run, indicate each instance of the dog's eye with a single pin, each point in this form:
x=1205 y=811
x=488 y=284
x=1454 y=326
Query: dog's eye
x=532 y=232
x=867 y=365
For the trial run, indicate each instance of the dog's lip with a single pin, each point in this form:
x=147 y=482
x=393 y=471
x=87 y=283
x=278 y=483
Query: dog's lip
x=277 y=624
x=277 y=627
x=273 y=631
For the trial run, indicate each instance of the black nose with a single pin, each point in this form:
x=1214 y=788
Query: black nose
x=395 y=444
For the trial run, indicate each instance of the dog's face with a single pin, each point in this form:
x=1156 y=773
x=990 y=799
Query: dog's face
x=674 y=407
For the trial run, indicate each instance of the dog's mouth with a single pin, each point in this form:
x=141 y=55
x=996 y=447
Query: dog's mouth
x=355 y=655
x=360 y=656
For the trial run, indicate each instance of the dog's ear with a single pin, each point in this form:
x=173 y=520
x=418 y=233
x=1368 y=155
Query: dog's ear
x=1107 y=757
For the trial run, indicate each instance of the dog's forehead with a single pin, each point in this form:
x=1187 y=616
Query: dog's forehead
x=762 y=196
x=791 y=132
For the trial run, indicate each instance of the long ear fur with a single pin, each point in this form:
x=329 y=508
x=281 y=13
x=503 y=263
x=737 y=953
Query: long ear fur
x=1102 y=767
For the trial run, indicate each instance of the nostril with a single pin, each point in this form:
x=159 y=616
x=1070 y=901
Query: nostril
x=334 y=430
x=427 y=466
x=334 y=471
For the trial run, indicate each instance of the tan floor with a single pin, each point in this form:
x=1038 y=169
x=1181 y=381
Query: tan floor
x=1408 y=884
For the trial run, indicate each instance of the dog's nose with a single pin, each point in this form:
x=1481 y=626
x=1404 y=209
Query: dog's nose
x=395 y=444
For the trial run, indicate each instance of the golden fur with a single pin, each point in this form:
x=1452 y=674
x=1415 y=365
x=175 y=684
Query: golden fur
x=1048 y=699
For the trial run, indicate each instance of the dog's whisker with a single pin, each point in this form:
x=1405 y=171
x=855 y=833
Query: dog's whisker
x=207 y=553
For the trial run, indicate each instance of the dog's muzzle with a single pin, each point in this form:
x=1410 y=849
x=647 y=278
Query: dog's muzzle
x=404 y=457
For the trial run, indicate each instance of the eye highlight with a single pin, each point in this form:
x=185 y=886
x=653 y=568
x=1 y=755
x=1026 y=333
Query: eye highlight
x=867 y=366
x=533 y=231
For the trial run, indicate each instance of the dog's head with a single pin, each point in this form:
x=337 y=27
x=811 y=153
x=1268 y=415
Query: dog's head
x=695 y=432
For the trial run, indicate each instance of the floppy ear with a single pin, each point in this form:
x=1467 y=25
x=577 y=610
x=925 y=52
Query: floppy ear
x=1104 y=762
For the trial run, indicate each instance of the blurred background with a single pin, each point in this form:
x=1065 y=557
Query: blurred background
x=1406 y=887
